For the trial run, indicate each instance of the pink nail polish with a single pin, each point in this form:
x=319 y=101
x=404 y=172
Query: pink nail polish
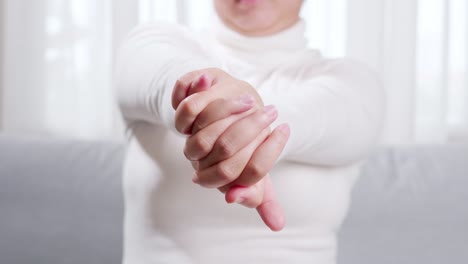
x=270 y=110
x=200 y=78
x=246 y=99
x=198 y=81
x=285 y=129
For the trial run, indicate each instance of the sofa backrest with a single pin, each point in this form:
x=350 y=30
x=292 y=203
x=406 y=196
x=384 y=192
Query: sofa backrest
x=60 y=202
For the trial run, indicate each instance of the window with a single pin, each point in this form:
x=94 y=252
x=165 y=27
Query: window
x=63 y=48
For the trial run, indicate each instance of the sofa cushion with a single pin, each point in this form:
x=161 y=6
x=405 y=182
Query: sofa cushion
x=60 y=201
x=409 y=206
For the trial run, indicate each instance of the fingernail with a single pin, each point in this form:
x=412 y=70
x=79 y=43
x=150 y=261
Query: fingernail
x=270 y=110
x=239 y=200
x=197 y=81
x=246 y=99
x=200 y=78
x=285 y=129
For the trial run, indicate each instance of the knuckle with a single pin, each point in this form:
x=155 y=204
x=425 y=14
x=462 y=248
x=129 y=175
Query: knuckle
x=195 y=165
x=179 y=84
x=225 y=147
x=224 y=172
x=202 y=144
x=188 y=153
x=189 y=106
x=179 y=122
x=197 y=126
x=256 y=170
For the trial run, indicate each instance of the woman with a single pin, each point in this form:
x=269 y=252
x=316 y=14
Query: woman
x=326 y=116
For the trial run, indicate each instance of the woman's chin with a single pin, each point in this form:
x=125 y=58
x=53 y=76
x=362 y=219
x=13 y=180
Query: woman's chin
x=255 y=26
x=248 y=4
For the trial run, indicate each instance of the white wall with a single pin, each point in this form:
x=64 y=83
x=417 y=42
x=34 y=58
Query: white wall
x=2 y=23
x=375 y=33
x=23 y=105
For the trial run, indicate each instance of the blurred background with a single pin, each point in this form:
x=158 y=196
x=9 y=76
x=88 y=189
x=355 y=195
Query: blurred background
x=61 y=197
x=56 y=60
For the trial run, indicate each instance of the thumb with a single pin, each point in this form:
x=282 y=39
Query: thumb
x=270 y=209
x=260 y=196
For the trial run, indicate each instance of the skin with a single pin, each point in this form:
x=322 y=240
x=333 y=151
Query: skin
x=229 y=143
x=242 y=172
x=258 y=17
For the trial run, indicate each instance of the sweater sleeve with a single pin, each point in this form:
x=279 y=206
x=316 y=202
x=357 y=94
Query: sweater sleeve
x=335 y=113
x=149 y=62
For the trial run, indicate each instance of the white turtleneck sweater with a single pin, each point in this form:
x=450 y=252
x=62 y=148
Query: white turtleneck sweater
x=334 y=108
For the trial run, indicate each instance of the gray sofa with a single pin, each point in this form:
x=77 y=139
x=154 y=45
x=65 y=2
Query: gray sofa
x=61 y=202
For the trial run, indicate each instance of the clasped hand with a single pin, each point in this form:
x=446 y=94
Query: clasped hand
x=230 y=144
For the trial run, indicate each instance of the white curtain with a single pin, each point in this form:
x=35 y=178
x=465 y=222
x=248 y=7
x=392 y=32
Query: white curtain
x=57 y=58
x=57 y=68
x=420 y=50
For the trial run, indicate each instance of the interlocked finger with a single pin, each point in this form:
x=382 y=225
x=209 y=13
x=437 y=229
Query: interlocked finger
x=230 y=169
x=220 y=109
x=190 y=108
x=264 y=157
x=238 y=135
x=199 y=145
